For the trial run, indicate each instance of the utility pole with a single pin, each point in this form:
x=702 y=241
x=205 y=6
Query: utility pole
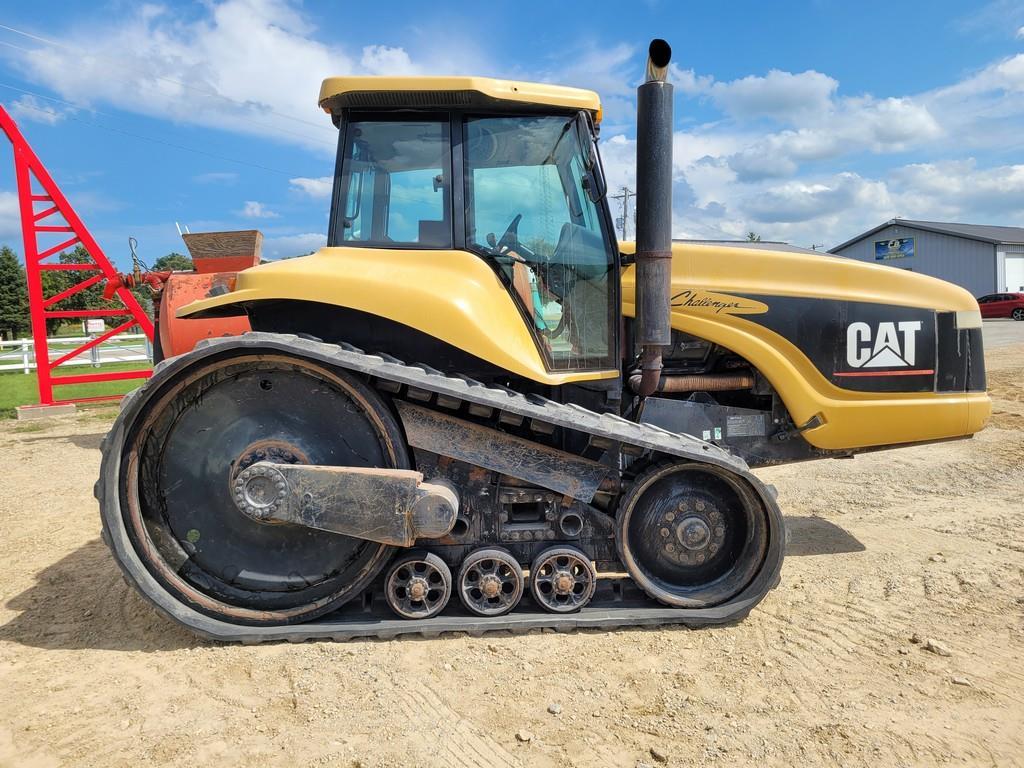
x=624 y=197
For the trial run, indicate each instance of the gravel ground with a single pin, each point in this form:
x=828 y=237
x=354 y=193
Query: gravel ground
x=895 y=638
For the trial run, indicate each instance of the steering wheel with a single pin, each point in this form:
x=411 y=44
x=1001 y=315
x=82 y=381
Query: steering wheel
x=510 y=240
x=508 y=245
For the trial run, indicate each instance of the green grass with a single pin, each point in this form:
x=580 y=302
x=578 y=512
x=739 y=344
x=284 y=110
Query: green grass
x=20 y=389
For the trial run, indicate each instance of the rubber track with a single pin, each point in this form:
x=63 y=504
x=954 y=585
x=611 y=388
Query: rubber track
x=608 y=609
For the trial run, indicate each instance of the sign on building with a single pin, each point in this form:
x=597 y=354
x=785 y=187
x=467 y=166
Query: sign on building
x=900 y=248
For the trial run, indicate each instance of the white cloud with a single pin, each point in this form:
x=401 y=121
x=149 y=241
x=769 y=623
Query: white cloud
x=799 y=201
x=383 y=60
x=688 y=81
x=960 y=188
x=779 y=95
x=10 y=217
x=855 y=125
x=29 y=108
x=609 y=70
x=249 y=66
x=255 y=210
x=1020 y=33
x=292 y=245
x=319 y=188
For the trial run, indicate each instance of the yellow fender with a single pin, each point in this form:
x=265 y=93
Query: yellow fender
x=451 y=295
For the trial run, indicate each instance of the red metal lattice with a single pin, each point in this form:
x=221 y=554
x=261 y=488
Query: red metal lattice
x=40 y=214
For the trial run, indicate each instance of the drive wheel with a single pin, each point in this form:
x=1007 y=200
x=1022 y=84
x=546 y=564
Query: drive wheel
x=490 y=582
x=202 y=427
x=692 y=535
x=418 y=585
x=562 y=579
x=1018 y=313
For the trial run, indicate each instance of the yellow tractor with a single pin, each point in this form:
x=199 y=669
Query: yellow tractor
x=476 y=410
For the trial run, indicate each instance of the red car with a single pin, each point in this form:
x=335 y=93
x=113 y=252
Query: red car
x=1002 y=305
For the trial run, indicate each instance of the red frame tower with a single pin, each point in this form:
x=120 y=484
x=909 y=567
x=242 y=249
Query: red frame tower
x=47 y=214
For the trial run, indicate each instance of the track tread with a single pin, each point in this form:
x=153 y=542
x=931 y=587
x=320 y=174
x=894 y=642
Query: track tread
x=608 y=613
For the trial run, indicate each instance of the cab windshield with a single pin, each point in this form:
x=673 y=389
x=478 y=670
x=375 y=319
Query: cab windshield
x=531 y=185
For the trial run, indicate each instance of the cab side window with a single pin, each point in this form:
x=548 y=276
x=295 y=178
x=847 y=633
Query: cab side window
x=396 y=184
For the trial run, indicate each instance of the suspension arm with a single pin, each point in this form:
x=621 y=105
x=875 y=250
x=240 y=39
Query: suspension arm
x=389 y=506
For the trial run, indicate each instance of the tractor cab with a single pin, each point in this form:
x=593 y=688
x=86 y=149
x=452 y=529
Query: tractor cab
x=506 y=171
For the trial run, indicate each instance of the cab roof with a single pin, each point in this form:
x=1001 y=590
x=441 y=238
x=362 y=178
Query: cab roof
x=372 y=92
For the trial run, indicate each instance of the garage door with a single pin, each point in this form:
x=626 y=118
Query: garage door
x=1015 y=273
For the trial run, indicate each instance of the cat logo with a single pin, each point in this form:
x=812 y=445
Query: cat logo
x=891 y=345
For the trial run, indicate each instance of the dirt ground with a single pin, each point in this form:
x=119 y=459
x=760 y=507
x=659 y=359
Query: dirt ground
x=925 y=542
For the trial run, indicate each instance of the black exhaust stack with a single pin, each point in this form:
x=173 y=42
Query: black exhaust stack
x=654 y=215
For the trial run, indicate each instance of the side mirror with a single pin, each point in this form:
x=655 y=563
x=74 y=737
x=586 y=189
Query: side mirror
x=593 y=182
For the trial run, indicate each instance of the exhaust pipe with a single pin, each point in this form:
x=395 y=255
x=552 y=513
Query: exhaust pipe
x=654 y=215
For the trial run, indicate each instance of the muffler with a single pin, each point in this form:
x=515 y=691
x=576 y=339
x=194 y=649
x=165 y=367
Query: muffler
x=654 y=215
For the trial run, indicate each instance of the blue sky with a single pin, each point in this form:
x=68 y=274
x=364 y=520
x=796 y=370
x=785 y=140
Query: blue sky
x=807 y=122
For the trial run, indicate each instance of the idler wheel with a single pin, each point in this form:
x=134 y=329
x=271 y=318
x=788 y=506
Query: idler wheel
x=692 y=535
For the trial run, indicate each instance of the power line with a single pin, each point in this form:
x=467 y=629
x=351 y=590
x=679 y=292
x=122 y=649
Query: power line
x=624 y=197
x=179 y=83
x=134 y=135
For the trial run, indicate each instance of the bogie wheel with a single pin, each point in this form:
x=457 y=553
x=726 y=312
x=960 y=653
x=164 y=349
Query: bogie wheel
x=490 y=582
x=418 y=585
x=184 y=446
x=692 y=535
x=562 y=579
x=1018 y=313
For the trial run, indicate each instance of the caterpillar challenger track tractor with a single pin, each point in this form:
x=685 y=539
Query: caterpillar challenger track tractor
x=475 y=409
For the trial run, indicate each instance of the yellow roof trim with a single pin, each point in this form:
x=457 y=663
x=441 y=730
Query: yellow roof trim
x=340 y=92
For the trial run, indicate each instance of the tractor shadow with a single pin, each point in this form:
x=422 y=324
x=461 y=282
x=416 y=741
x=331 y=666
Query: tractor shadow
x=82 y=602
x=817 y=536
x=89 y=442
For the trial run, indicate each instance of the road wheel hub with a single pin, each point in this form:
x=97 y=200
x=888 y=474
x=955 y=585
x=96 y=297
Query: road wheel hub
x=490 y=586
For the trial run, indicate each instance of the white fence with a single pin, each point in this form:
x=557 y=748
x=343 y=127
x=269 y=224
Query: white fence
x=19 y=355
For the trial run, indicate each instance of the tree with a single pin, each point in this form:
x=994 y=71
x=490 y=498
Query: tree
x=58 y=282
x=14 y=319
x=173 y=261
x=753 y=237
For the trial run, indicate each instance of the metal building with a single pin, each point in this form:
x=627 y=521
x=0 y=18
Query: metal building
x=981 y=258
